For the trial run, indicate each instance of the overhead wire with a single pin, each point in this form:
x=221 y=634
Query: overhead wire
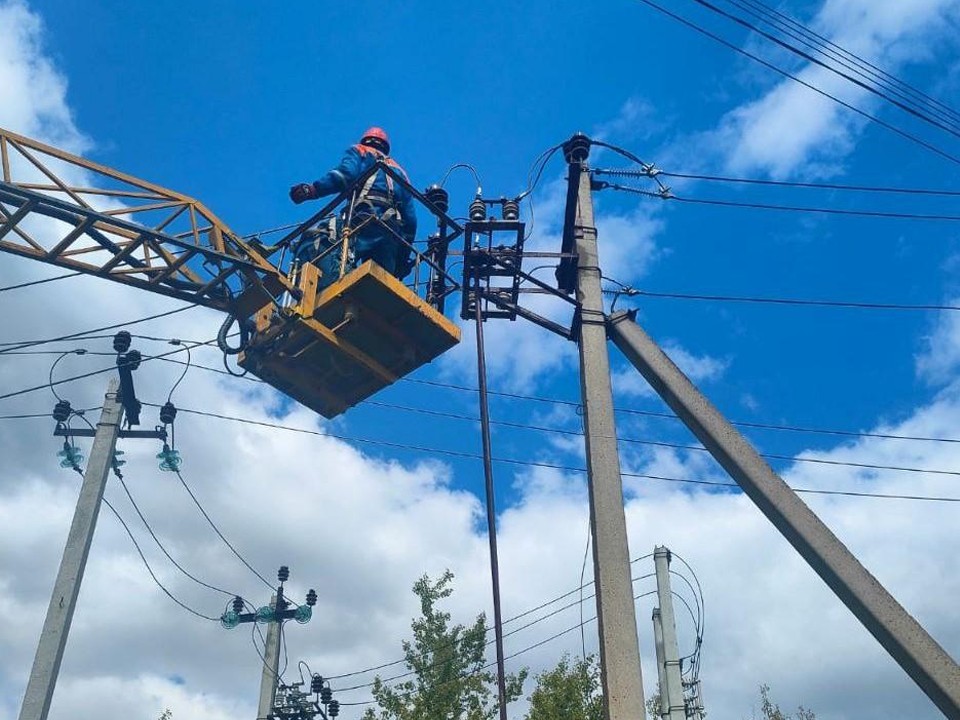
x=646 y=173
x=441 y=663
x=516 y=654
x=150 y=570
x=829 y=48
x=163 y=549
x=487 y=629
x=854 y=305
x=216 y=529
x=919 y=114
x=660 y=443
x=886 y=214
x=84 y=334
x=555 y=466
x=31 y=283
x=756 y=58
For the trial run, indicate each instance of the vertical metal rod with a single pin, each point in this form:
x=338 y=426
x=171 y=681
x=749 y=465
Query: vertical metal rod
x=66 y=588
x=619 y=647
x=271 y=667
x=923 y=659
x=491 y=507
x=674 y=708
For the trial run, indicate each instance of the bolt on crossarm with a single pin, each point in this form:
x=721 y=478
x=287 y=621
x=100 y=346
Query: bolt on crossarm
x=619 y=647
x=923 y=659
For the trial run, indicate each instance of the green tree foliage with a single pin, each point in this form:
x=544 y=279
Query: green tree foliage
x=571 y=691
x=446 y=661
x=769 y=710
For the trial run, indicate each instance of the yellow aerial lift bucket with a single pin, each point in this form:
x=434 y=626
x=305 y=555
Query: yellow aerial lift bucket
x=337 y=347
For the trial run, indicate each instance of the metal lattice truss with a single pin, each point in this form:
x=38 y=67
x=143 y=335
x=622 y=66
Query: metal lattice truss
x=67 y=211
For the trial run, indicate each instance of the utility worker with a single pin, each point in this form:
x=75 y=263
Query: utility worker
x=379 y=202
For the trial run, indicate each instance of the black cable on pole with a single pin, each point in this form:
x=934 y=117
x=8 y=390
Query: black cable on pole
x=491 y=506
x=873 y=118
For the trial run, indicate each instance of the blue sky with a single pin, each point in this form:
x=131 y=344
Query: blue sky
x=232 y=102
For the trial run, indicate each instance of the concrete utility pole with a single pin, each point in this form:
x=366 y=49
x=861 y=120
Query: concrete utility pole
x=271 y=667
x=63 y=602
x=672 y=706
x=904 y=638
x=619 y=648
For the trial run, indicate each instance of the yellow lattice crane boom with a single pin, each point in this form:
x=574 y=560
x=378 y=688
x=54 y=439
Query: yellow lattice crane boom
x=328 y=342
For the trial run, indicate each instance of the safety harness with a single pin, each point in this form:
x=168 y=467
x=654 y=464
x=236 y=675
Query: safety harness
x=365 y=194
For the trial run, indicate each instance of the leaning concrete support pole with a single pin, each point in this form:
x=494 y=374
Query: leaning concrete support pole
x=66 y=588
x=910 y=645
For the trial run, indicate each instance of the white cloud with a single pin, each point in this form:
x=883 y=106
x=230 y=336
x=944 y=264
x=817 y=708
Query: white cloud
x=361 y=529
x=940 y=357
x=791 y=130
x=699 y=368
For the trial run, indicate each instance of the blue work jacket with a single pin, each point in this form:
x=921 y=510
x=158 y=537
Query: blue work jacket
x=360 y=158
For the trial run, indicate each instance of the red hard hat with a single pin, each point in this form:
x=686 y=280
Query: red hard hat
x=376 y=133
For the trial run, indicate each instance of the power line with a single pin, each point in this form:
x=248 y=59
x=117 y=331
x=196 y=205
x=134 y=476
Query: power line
x=150 y=570
x=659 y=443
x=795 y=78
x=900 y=89
x=39 y=282
x=851 y=304
x=51 y=383
x=220 y=534
x=878 y=72
x=889 y=215
x=81 y=335
x=671 y=416
x=508 y=657
x=163 y=549
x=554 y=466
x=778 y=183
x=811 y=59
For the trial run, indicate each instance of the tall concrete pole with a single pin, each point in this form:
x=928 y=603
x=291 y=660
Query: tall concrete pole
x=66 y=588
x=661 y=664
x=674 y=707
x=619 y=648
x=898 y=632
x=271 y=667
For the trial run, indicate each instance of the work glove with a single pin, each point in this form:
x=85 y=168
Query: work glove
x=303 y=191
